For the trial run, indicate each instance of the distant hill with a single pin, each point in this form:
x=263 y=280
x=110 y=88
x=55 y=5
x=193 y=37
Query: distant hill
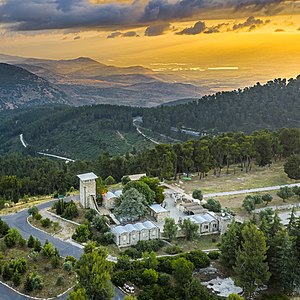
x=87 y=81
x=20 y=88
x=270 y=106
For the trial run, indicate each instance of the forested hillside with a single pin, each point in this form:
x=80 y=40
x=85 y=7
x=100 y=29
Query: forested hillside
x=20 y=88
x=271 y=106
x=86 y=132
x=26 y=175
x=79 y=133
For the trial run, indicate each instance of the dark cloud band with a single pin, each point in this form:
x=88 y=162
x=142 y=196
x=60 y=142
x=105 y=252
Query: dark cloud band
x=66 y=14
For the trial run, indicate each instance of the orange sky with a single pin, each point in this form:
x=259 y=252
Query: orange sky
x=271 y=49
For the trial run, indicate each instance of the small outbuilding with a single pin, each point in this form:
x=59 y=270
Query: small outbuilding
x=158 y=212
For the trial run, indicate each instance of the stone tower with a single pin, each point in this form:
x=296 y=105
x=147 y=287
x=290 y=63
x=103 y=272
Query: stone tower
x=88 y=190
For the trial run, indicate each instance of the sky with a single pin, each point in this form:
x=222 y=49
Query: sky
x=246 y=40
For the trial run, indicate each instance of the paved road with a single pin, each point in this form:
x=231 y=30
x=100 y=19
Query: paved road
x=264 y=189
x=19 y=221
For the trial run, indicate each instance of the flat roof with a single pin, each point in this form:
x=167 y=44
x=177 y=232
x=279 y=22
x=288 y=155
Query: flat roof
x=136 y=176
x=87 y=176
x=158 y=208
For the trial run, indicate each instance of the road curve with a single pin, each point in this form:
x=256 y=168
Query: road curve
x=19 y=221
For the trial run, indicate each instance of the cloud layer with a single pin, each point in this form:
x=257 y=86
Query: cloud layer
x=66 y=14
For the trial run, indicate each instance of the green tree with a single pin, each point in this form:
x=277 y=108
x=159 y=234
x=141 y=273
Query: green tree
x=93 y=272
x=292 y=167
x=3 y=228
x=109 y=180
x=30 y=242
x=213 y=205
x=267 y=198
x=82 y=233
x=189 y=228
x=33 y=210
x=37 y=245
x=170 y=229
x=143 y=188
x=150 y=276
x=182 y=271
x=197 y=194
x=48 y=249
x=251 y=268
x=150 y=260
x=132 y=205
x=33 y=282
x=193 y=290
x=284 y=264
x=78 y=294
x=285 y=193
x=249 y=204
x=7 y=272
x=71 y=211
x=12 y=237
x=154 y=185
x=230 y=242
x=125 y=179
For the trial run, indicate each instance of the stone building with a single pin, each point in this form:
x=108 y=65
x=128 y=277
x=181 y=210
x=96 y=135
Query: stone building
x=129 y=234
x=158 y=212
x=87 y=189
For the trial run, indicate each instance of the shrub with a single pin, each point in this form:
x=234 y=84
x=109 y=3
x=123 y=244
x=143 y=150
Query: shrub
x=82 y=233
x=3 y=228
x=7 y=272
x=33 y=282
x=68 y=266
x=37 y=245
x=16 y=278
x=46 y=222
x=19 y=265
x=55 y=261
x=48 y=249
x=12 y=237
x=89 y=215
x=33 y=211
x=198 y=258
x=22 y=241
x=70 y=258
x=71 y=211
x=133 y=253
x=213 y=255
x=30 y=242
x=38 y=217
x=60 y=280
x=150 y=276
x=173 y=249
x=197 y=194
x=34 y=255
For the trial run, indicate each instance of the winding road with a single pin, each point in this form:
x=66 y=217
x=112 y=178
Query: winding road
x=19 y=221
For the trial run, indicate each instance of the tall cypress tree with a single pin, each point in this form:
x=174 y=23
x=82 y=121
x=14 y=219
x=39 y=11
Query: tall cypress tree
x=251 y=268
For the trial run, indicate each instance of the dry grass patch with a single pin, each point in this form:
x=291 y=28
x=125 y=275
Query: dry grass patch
x=41 y=266
x=256 y=178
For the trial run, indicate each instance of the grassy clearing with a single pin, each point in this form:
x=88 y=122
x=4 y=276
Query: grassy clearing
x=256 y=178
x=204 y=242
x=42 y=266
x=24 y=204
x=52 y=229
